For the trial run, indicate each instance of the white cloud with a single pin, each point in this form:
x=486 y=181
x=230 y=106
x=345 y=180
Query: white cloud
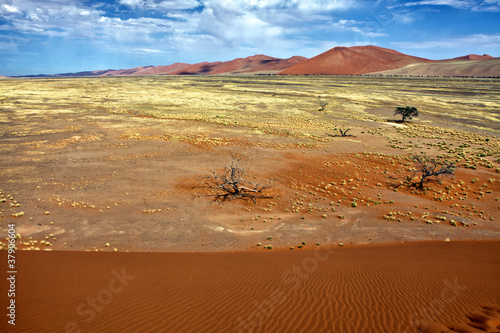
x=178 y=4
x=451 y=3
x=131 y=30
x=148 y=51
x=237 y=28
x=10 y=9
x=165 y=4
x=266 y=24
x=132 y=3
x=271 y=26
x=474 y=5
x=287 y=5
x=50 y=18
x=231 y=21
x=323 y=5
x=363 y=28
x=476 y=41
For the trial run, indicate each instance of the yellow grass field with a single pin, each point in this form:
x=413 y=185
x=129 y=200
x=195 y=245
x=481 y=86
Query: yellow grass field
x=114 y=163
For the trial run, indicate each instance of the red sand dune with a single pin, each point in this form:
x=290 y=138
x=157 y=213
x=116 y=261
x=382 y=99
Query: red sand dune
x=352 y=61
x=417 y=287
x=254 y=64
x=258 y=64
x=337 y=61
x=340 y=60
x=471 y=57
x=476 y=68
x=149 y=70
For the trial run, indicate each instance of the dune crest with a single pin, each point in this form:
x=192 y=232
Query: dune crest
x=353 y=61
x=472 y=57
x=254 y=64
x=476 y=68
x=356 y=60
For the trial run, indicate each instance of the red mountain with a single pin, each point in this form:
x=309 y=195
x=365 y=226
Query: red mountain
x=353 y=60
x=471 y=57
x=257 y=64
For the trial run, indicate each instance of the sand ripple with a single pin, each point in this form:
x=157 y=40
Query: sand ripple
x=426 y=287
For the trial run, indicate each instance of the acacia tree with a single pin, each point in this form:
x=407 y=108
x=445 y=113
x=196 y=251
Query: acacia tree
x=430 y=167
x=406 y=112
x=229 y=184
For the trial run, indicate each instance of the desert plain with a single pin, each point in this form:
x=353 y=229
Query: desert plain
x=117 y=165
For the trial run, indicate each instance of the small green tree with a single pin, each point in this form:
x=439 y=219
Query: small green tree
x=406 y=112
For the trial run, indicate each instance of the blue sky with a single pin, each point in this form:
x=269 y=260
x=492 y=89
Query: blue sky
x=59 y=36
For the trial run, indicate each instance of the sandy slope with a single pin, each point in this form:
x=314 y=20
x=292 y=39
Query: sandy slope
x=471 y=57
x=254 y=64
x=397 y=288
x=151 y=70
x=336 y=61
x=352 y=61
x=488 y=67
x=257 y=64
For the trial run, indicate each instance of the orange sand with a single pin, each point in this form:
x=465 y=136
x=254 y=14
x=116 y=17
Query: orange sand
x=384 y=288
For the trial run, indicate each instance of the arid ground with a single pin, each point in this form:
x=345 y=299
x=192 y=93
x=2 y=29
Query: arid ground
x=93 y=161
x=344 y=243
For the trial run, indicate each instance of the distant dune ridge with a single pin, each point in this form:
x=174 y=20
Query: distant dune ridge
x=488 y=67
x=257 y=64
x=254 y=64
x=151 y=70
x=472 y=57
x=353 y=60
x=356 y=60
x=147 y=70
x=373 y=59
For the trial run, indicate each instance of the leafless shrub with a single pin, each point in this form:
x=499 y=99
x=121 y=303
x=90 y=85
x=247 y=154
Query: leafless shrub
x=322 y=104
x=343 y=132
x=229 y=184
x=428 y=167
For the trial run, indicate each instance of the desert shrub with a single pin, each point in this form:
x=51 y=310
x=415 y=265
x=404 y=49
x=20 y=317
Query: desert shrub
x=322 y=104
x=343 y=132
x=428 y=167
x=229 y=184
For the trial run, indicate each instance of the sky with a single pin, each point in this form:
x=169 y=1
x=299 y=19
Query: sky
x=64 y=36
